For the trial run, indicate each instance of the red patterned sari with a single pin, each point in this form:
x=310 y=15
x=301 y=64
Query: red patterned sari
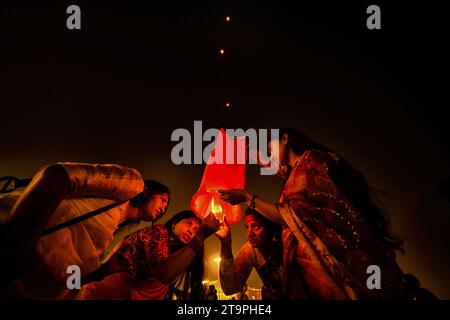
x=141 y=252
x=327 y=246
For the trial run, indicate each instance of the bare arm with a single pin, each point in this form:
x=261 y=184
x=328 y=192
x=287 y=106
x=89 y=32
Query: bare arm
x=166 y=271
x=176 y=263
x=267 y=209
x=164 y=268
x=233 y=272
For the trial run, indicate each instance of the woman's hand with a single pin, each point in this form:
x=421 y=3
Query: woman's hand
x=209 y=226
x=235 y=196
x=224 y=232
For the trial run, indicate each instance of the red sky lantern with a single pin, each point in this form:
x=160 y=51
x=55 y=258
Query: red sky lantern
x=221 y=174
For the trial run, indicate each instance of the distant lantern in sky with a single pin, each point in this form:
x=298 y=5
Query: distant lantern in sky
x=227 y=19
x=222 y=51
x=227 y=104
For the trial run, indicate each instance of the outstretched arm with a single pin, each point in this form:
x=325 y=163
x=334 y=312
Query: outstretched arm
x=267 y=209
x=165 y=268
x=166 y=271
x=176 y=263
x=233 y=272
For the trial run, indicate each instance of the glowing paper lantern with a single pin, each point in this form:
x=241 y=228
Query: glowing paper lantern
x=225 y=170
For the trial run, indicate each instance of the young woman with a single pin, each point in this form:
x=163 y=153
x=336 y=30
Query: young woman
x=58 y=193
x=263 y=251
x=155 y=262
x=332 y=230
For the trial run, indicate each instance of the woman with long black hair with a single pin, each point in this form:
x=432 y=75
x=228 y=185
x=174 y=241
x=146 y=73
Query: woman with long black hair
x=332 y=229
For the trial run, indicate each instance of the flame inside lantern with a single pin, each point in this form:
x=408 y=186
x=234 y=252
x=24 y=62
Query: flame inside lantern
x=216 y=209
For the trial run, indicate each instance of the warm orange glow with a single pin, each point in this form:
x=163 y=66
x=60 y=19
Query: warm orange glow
x=227 y=104
x=222 y=52
x=216 y=209
x=218 y=176
x=227 y=18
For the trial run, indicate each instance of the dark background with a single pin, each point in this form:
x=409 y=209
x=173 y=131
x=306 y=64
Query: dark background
x=114 y=91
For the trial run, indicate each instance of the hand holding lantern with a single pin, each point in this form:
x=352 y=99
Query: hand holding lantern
x=209 y=226
x=235 y=196
x=224 y=232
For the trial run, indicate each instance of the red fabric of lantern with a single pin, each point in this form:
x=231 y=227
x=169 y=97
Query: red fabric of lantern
x=225 y=170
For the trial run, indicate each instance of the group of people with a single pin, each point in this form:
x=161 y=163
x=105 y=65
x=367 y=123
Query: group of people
x=316 y=242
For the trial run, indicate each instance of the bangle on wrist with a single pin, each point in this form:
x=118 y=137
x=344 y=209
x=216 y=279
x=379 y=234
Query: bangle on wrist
x=253 y=202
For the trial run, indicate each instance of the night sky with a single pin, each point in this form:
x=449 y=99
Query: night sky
x=114 y=91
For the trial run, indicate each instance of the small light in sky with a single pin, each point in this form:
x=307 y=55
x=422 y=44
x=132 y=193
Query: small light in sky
x=227 y=19
x=227 y=104
x=222 y=52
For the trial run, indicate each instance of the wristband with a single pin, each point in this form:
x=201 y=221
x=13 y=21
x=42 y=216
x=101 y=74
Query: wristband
x=252 y=203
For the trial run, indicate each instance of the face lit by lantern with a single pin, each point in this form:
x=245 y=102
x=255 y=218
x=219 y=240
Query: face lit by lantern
x=258 y=235
x=186 y=229
x=155 y=207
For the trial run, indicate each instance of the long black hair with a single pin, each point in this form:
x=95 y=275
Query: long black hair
x=191 y=281
x=352 y=184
